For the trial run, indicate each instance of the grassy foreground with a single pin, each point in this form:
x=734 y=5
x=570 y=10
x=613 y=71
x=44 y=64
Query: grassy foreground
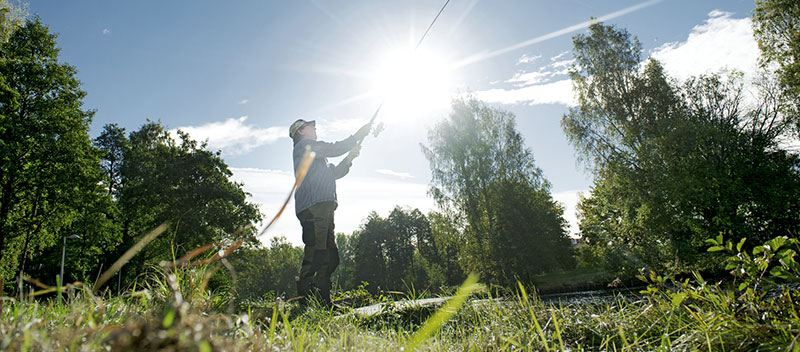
x=175 y=311
x=175 y=314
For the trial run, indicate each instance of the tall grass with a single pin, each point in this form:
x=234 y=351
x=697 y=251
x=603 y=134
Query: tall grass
x=173 y=310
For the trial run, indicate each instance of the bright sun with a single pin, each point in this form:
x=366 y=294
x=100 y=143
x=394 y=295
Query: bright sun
x=413 y=82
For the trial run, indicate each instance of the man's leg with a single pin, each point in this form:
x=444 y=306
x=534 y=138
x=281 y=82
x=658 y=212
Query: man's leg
x=304 y=279
x=332 y=251
x=327 y=254
x=322 y=279
x=320 y=255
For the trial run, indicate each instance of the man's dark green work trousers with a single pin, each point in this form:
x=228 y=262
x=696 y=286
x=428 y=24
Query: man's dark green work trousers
x=320 y=256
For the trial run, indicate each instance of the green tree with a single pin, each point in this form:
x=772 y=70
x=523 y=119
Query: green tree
x=47 y=162
x=180 y=182
x=264 y=271
x=114 y=144
x=474 y=156
x=776 y=25
x=397 y=252
x=531 y=237
x=674 y=164
x=12 y=16
x=345 y=276
x=448 y=238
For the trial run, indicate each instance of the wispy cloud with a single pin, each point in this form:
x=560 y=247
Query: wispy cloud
x=243 y=101
x=402 y=175
x=526 y=59
x=559 y=57
x=106 y=31
x=233 y=136
x=546 y=85
x=358 y=196
x=558 y=92
x=720 y=43
x=485 y=55
x=544 y=75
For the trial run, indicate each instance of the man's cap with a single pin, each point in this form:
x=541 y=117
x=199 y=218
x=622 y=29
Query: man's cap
x=297 y=125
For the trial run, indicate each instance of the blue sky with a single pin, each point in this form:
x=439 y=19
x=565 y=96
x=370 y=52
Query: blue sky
x=238 y=73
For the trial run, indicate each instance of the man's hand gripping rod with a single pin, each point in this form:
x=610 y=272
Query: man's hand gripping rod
x=357 y=149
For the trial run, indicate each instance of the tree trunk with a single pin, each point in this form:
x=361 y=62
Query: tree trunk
x=22 y=266
x=27 y=241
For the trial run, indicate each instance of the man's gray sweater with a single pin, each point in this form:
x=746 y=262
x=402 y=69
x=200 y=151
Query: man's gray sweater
x=319 y=185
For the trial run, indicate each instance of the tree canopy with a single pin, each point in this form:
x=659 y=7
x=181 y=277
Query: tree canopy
x=47 y=163
x=482 y=171
x=674 y=164
x=776 y=25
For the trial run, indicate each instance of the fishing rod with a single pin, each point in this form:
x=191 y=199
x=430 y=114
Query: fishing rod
x=354 y=153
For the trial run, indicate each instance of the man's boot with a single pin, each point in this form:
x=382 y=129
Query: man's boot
x=303 y=288
x=323 y=291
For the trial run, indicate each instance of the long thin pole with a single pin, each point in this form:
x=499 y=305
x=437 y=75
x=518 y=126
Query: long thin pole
x=375 y=115
x=63 y=251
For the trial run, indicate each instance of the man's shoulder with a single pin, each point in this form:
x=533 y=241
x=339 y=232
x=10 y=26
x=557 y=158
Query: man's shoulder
x=301 y=145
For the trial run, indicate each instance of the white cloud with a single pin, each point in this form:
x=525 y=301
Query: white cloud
x=559 y=56
x=402 y=175
x=544 y=75
x=559 y=92
x=243 y=101
x=536 y=87
x=522 y=79
x=106 y=31
x=557 y=67
x=562 y=66
x=526 y=59
x=720 y=43
x=233 y=136
x=570 y=199
x=358 y=196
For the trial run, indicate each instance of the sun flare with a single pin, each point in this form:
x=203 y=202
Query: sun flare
x=413 y=81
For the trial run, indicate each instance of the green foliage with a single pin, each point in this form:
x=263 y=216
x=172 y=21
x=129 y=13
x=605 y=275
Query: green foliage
x=264 y=272
x=162 y=179
x=776 y=24
x=344 y=277
x=530 y=237
x=449 y=245
x=681 y=316
x=673 y=163
x=396 y=253
x=114 y=145
x=48 y=167
x=775 y=257
x=12 y=16
x=436 y=321
x=483 y=173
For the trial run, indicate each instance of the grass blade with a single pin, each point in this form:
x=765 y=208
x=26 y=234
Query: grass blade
x=436 y=321
x=128 y=255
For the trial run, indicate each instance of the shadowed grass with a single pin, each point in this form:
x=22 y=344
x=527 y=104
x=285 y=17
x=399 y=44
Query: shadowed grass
x=174 y=313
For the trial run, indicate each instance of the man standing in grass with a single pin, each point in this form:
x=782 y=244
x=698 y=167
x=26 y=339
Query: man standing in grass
x=315 y=202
